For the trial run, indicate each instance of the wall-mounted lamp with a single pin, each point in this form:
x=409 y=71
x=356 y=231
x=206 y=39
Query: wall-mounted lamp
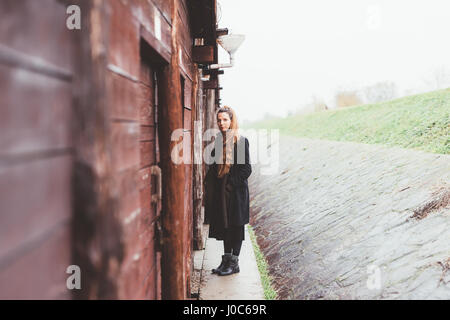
x=231 y=43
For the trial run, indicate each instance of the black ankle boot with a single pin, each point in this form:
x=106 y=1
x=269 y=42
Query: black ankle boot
x=231 y=267
x=224 y=262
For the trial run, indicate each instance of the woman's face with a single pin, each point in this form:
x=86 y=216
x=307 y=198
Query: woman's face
x=223 y=121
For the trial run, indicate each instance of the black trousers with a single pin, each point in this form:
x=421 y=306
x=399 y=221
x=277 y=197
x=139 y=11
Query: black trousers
x=232 y=242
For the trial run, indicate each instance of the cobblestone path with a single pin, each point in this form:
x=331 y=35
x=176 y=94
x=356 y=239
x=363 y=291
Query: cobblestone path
x=344 y=220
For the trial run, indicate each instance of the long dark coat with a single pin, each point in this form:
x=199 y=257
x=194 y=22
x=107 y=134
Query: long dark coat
x=239 y=203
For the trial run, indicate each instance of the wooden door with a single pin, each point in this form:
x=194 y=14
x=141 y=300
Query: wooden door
x=150 y=175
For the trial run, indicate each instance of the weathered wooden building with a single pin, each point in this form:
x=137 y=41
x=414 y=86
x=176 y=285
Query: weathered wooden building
x=86 y=176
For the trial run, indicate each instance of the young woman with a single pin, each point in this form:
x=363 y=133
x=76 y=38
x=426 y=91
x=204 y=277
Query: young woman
x=226 y=187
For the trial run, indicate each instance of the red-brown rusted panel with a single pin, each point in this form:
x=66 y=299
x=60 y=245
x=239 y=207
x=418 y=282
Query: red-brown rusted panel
x=203 y=54
x=184 y=34
x=138 y=233
x=147 y=255
x=36 y=112
x=146 y=74
x=38 y=29
x=185 y=64
x=189 y=230
x=143 y=12
x=35 y=127
x=188 y=95
x=145 y=180
x=183 y=6
x=129 y=138
x=149 y=290
x=158 y=276
x=147 y=208
x=165 y=8
x=147 y=133
x=211 y=84
x=145 y=189
x=185 y=43
x=146 y=109
x=148 y=269
x=45 y=183
x=123 y=39
x=125 y=144
x=147 y=264
x=140 y=254
x=40 y=271
x=126 y=182
x=139 y=261
x=147 y=153
x=170 y=119
x=155 y=28
x=187 y=121
x=123 y=100
x=187 y=235
x=138 y=236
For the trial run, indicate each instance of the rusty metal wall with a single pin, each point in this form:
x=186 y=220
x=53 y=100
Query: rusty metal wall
x=131 y=93
x=35 y=149
x=78 y=139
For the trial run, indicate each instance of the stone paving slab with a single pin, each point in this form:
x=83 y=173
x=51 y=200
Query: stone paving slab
x=245 y=285
x=336 y=221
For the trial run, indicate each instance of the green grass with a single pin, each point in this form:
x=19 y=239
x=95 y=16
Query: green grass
x=269 y=291
x=418 y=122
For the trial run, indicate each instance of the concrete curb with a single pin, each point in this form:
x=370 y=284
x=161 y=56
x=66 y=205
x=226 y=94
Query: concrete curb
x=245 y=285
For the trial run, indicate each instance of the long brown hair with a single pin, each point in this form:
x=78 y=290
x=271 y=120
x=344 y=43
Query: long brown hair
x=231 y=137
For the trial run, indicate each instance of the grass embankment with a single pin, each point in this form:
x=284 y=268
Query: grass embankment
x=418 y=122
x=269 y=291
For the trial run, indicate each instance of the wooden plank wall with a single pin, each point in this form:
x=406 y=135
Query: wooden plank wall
x=199 y=240
x=130 y=90
x=185 y=42
x=36 y=68
x=36 y=147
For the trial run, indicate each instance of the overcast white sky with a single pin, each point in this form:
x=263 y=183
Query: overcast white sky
x=295 y=49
